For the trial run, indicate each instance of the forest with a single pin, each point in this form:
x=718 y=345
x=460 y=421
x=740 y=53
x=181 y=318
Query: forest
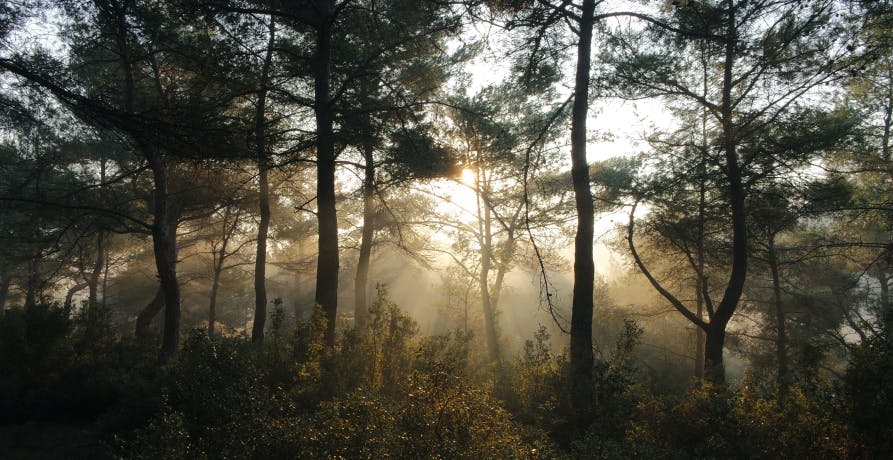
x=477 y=229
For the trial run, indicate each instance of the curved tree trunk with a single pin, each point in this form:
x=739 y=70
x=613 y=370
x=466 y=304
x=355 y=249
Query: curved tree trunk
x=581 y=359
x=66 y=306
x=164 y=243
x=147 y=314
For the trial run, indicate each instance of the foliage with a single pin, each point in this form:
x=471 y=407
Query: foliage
x=868 y=388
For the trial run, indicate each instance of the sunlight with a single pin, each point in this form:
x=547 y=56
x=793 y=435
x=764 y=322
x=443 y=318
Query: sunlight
x=467 y=177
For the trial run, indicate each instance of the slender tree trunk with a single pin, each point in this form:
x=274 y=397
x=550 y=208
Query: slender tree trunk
x=93 y=283
x=212 y=303
x=105 y=278
x=361 y=308
x=144 y=318
x=699 y=334
x=886 y=309
x=219 y=259
x=484 y=275
x=701 y=278
x=581 y=359
x=260 y=267
x=327 y=258
x=781 y=340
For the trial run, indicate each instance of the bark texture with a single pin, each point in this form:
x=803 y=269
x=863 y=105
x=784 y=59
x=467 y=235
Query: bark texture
x=581 y=359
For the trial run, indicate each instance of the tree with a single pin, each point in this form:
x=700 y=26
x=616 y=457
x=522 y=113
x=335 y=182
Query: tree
x=506 y=147
x=757 y=63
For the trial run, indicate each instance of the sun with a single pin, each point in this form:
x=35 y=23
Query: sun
x=467 y=177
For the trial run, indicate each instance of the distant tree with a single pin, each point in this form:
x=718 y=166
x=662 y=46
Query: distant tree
x=506 y=143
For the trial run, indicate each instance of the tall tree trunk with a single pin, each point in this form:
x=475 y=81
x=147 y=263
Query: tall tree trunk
x=486 y=240
x=260 y=265
x=164 y=242
x=781 y=340
x=715 y=370
x=361 y=308
x=145 y=316
x=164 y=224
x=581 y=359
x=93 y=282
x=327 y=257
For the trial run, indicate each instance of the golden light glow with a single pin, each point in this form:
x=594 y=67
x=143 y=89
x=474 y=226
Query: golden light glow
x=467 y=176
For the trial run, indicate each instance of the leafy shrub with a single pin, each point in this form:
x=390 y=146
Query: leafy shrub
x=439 y=418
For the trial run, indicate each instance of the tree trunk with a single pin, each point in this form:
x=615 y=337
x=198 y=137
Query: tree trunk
x=144 y=318
x=164 y=242
x=886 y=306
x=581 y=359
x=714 y=370
x=736 y=197
x=361 y=308
x=93 y=282
x=260 y=265
x=219 y=258
x=508 y=252
x=66 y=306
x=484 y=274
x=781 y=340
x=105 y=279
x=327 y=257
x=699 y=333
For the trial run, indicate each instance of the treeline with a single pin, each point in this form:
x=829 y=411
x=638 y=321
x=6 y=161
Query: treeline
x=280 y=157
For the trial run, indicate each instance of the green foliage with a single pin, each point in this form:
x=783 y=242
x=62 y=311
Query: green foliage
x=716 y=422
x=383 y=393
x=868 y=387
x=437 y=418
